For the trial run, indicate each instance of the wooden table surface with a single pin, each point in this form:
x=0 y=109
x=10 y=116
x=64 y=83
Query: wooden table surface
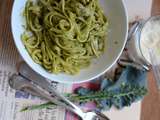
x=151 y=103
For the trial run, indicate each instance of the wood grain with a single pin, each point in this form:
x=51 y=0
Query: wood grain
x=8 y=52
x=156 y=7
x=151 y=103
x=1 y=4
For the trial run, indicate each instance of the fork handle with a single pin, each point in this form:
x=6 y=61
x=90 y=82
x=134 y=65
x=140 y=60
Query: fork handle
x=52 y=95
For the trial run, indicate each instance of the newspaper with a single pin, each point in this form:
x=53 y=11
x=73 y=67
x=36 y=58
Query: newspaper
x=11 y=101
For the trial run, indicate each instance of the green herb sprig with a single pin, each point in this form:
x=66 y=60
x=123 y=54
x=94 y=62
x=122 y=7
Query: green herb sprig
x=129 y=93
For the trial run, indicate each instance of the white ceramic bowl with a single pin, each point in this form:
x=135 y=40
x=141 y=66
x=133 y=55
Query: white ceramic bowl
x=118 y=27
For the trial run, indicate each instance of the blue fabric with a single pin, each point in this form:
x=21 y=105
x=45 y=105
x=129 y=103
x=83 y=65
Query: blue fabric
x=130 y=76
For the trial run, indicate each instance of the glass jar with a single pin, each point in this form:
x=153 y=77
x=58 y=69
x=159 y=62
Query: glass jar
x=134 y=44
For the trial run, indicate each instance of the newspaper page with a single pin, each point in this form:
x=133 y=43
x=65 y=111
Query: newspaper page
x=11 y=101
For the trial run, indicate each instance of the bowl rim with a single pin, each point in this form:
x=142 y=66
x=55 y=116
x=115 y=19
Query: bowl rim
x=65 y=81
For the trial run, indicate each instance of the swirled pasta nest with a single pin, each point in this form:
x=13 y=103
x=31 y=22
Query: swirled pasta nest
x=64 y=35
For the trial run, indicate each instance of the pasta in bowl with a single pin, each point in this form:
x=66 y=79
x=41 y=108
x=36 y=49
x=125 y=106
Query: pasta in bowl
x=64 y=38
x=68 y=41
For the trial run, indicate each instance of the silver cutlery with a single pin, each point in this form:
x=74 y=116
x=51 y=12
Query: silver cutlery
x=21 y=83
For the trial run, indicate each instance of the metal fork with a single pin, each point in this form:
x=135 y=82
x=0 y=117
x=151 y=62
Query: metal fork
x=21 y=83
x=155 y=66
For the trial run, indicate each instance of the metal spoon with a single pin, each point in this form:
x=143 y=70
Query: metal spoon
x=20 y=83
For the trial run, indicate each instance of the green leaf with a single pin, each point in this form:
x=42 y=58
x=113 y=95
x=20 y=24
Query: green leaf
x=128 y=92
x=38 y=107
